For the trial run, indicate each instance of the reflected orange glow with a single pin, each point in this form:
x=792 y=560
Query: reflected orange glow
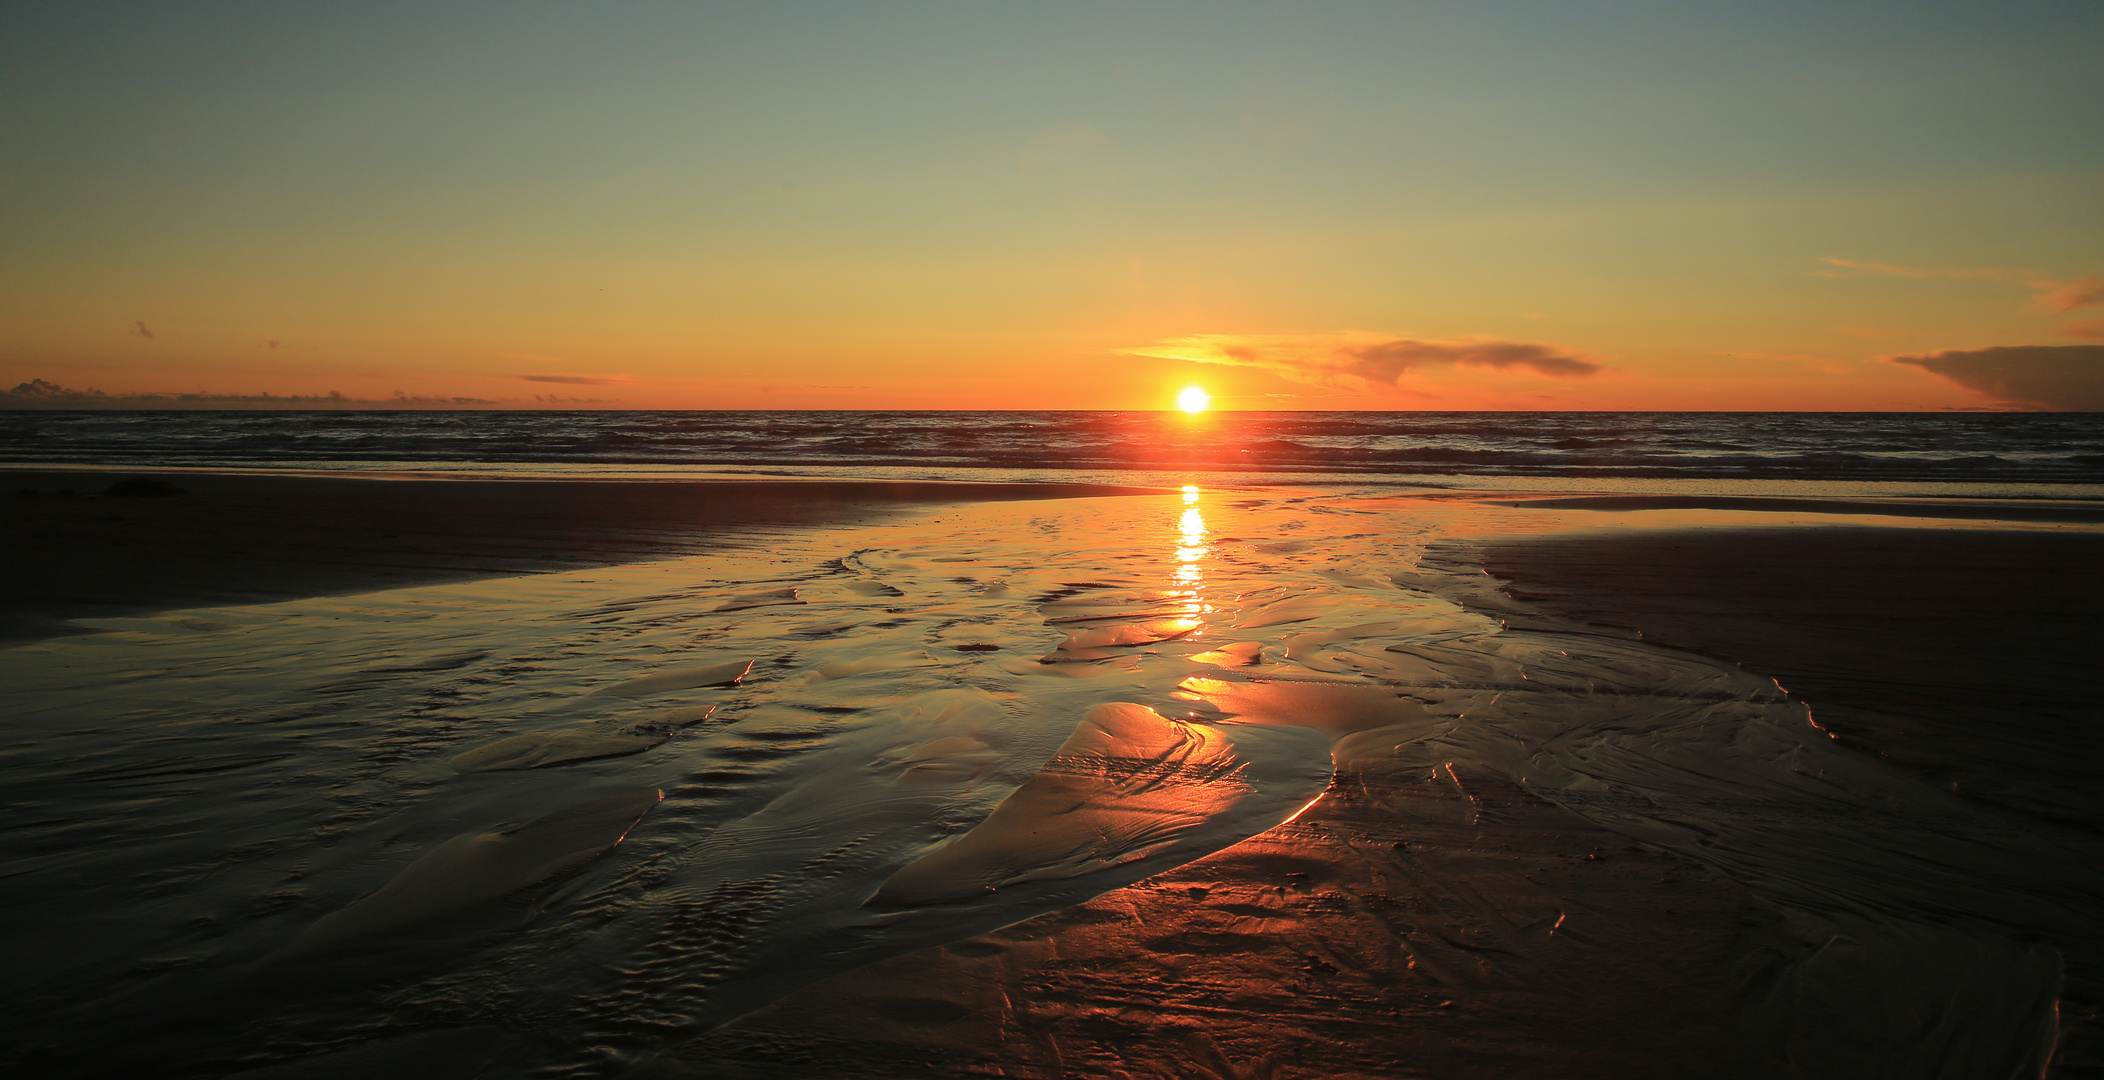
x=1310 y=804
x=1191 y=550
x=1193 y=526
x=1333 y=709
x=1083 y=812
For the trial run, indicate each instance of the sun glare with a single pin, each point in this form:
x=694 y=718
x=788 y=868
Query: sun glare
x=1194 y=400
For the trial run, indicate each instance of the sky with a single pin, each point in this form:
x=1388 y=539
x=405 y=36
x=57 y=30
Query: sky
x=1394 y=205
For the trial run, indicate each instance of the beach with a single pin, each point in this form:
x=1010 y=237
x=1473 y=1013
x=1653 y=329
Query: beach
x=1042 y=781
x=250 y=537
x=1165 y=541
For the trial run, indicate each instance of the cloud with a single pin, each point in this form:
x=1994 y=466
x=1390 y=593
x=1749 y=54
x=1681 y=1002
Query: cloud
x=2054 y=295
x=1323 y=359
x=2059 y=377
x=1860 y=268
x=1391 y=359
x=44 y=394
x=2059 y=297
x=41 y=390
x=140 y=329
x=2090 y=328
x=2065 y=296
x=577 y=380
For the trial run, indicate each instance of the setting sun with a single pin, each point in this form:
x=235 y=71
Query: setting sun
x=1194 y=400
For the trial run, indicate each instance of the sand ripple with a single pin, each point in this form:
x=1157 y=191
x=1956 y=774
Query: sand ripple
x=1125 y=785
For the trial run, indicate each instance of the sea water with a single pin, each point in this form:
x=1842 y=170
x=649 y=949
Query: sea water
x=1985 y=453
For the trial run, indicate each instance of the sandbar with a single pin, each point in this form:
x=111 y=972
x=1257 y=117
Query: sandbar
x=249 y=538
x=1901 y=639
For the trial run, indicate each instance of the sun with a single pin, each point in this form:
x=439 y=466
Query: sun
x=1194 y=399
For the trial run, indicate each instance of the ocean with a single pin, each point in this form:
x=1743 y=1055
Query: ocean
x=1976 y=453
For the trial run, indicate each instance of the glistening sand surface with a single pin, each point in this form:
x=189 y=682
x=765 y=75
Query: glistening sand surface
x=258 y=537
x=1643 y=878
x=1428 y=832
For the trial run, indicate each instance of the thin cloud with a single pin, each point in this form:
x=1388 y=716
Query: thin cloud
x=2089 y=328
x=1391 y=359
x=2057 y=377
x=577 y=380
x=2058 y=297
x=44 y=394
x=1324 y=359
x=140 y=329
x=2062 y=297
x=1861 y=268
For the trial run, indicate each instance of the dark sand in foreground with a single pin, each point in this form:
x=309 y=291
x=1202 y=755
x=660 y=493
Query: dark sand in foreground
x=246 y=538
x=1966 y=654
x=1406 y=927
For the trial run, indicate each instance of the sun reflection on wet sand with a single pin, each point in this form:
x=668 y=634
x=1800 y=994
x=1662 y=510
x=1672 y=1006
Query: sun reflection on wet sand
x=1191 y=549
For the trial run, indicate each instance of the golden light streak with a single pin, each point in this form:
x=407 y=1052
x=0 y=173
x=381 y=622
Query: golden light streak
x=1191 y=548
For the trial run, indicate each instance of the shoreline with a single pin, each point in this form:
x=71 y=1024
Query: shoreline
x=1970 y=509
x=247 y=538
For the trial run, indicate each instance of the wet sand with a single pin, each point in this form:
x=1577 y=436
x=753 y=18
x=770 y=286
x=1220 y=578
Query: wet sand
x=1384 y=933
x=1237 y=784
x=1460 y=925
x=248 y=538
x=1901 y=640
x=1965 y=656
x=2042 y=510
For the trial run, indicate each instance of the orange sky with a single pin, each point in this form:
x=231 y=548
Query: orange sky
x=1596 y=206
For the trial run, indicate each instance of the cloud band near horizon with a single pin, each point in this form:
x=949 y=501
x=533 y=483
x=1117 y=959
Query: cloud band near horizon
x=1324 y=359
x=2067 y=378
x=576 y=380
